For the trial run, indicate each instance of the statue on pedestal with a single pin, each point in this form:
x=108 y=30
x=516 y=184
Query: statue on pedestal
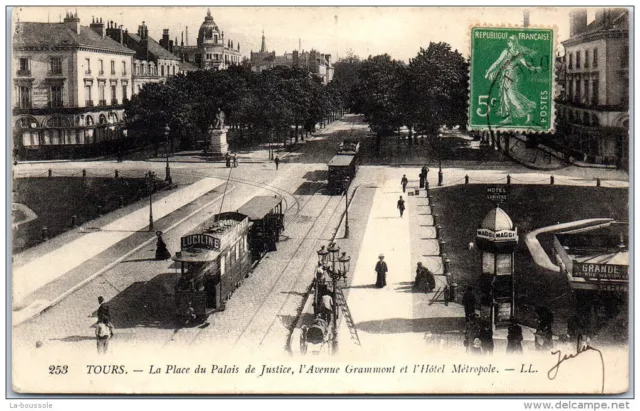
x=218 y=122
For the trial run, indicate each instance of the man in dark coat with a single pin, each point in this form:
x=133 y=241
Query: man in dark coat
x=404 y=183
x=469 y=302
x=277 y=161
x=401 y=206
x=381 y=270
x=514 y=338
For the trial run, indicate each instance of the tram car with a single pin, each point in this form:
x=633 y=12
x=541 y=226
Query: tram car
x=349 y=147
x=214 y=258
x=342 y=170
x=267 y=224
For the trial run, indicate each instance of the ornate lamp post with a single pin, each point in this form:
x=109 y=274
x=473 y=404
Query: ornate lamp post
x=344 y=263
x=167 y=130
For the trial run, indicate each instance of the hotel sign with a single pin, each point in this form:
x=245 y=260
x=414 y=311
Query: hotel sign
x=497 y=193
x=497 y=236
x=600 y=271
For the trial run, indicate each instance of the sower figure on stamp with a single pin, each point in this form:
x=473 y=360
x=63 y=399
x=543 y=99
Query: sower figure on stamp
x=512 y=103
x=381 y=271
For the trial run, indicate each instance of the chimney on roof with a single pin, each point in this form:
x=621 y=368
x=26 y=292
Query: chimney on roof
x=164 y=42
x=186 y=36
x=98 y=27
x=115 y=32
x=578 y=22
x=73 y=22
x=144 y=39
x=182 y=39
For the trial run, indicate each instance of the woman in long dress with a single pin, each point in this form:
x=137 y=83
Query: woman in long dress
x=512 y=103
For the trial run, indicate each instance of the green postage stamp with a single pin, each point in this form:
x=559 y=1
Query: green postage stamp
x=511 y=79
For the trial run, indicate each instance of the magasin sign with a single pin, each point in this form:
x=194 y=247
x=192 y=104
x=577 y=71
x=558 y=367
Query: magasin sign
x=601 y=271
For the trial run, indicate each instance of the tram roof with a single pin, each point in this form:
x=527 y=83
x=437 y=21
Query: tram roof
x=259 y=206
x=341 y=160
x=197 y=256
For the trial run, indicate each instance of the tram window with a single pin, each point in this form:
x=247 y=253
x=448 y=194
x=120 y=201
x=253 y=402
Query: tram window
x=237 y=247
x=232 y=256
x=246 y=242
x=223 y=265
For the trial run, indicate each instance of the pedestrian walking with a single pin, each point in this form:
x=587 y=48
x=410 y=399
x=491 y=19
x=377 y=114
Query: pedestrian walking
x=401 y=206
x=469 y=302
x=514 y=338
x=162 y=253
x=486 y=337
x=404 y=183
x=235 y=160
x=381 y=271
x=104 y=313
x=104 y=332
x=227 y=159
x=277 y=161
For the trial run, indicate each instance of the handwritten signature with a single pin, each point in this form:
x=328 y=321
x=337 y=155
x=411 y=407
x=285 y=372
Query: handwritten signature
x=553 y=371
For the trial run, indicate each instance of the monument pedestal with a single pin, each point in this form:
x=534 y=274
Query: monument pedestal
x=218 y=146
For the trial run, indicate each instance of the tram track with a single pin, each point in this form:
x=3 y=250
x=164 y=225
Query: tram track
x=294 y=207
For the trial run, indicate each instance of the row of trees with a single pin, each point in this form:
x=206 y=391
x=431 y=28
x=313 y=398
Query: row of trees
x=423 y=95
x=281 y=101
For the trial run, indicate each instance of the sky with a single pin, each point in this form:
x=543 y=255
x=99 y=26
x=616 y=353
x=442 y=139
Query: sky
x=397 y=31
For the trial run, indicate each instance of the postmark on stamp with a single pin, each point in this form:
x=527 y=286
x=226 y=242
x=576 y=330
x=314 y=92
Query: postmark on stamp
x=511 y=79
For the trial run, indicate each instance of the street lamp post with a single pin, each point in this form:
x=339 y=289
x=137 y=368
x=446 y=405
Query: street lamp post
x=346 y=211
x=440 y=176
x=151 y=177
x=167 y=130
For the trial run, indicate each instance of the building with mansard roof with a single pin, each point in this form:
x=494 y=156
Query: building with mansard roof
x=212 y=49
x=314 y=61
x=593 y=109
x=69 y=86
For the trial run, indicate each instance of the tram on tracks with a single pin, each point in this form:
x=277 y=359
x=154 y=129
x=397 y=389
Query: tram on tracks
x=343 y=166
x=267 y=223
x=217 y=255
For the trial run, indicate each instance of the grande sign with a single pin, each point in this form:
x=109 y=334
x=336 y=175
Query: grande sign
x=498 y=236
x=600 y=271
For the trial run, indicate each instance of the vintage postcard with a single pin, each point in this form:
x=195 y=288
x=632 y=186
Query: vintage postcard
x=320 y=200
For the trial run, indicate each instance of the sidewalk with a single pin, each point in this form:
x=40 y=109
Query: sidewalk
x=53 y=264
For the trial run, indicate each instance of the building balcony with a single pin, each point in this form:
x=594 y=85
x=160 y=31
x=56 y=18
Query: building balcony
x=54 y=73
x=114 y=101
x=26 y=73
x=56 y=104
x=102 y=102
x=23 y=106
x=88 y=103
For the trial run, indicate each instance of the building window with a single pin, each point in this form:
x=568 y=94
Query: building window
x=113 y=67
x=585 y=98
x=24 y=97
x=87 y=95
x=100 y=67
x=570 y=90
x=87 y=63
x=595 y=92
x=162 y=70
x=624 y=95
x=23 y=67
x=595 y=58
x=136 y=69
x=625 y=56
x=578 y=94
x=570 y=60
x=578 y=54
x=174 y=70
x=586 y=59
x=124 y=93
x=101 y=99
x=124 y=68
x=56 y=96
x=55 y=65
x=114 y=97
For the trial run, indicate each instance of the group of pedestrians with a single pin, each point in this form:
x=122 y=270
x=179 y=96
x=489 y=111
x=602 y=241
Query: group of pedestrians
x=231 y=160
